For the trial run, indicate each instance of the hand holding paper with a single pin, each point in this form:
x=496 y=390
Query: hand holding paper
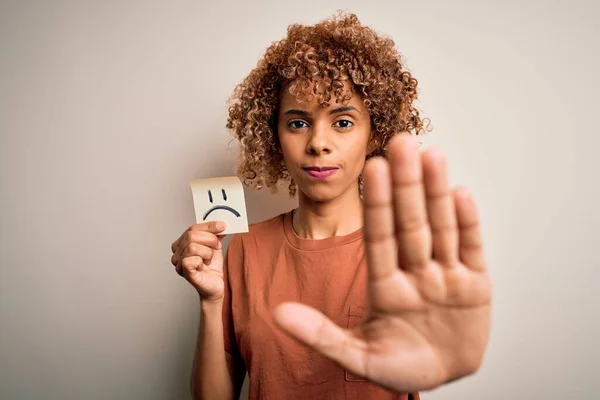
x=198 y=252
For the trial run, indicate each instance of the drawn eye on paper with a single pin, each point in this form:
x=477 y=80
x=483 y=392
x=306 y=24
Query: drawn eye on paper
x=220 y=199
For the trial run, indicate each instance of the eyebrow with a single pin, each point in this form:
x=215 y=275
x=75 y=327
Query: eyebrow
x=334 y=111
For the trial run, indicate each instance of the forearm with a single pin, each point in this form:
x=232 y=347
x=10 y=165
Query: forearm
x=210 y=376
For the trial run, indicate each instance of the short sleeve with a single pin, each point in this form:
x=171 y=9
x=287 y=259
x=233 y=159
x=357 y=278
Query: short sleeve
x=232 y=264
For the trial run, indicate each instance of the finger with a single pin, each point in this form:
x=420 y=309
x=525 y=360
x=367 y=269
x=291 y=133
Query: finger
x=190 y=266
x=195 y=249
x=315 y=330
x=380 y=241
x=201 y=237
x=440 y=208
x=412 y=231
x=211 y=226
x=179 y=268
x=471 y=243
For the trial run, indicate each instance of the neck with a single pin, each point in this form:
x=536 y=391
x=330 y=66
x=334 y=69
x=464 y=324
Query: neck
x=337 y=217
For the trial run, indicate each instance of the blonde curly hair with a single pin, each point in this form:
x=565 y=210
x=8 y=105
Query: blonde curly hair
x=320 y=57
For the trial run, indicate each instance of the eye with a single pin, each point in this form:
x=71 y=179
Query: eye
x=343 y=124
x=297 y=124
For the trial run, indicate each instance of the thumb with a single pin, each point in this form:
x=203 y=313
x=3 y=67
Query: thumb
x=318 y=332
x=211 y=226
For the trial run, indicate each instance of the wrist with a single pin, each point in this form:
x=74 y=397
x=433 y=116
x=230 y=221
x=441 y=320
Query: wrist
x=211 y=306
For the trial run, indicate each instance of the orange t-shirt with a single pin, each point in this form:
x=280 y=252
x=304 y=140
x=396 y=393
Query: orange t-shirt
x=271 y=264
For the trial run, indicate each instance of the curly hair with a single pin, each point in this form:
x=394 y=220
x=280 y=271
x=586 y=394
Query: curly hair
x=320 y=57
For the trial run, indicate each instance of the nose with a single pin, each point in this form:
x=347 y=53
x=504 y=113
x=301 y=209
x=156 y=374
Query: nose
x=319 y=141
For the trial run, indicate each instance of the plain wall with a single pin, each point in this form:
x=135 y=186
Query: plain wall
x=109 y=108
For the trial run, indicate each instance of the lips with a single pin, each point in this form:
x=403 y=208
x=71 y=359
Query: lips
x=320 y=172
x=319 y=168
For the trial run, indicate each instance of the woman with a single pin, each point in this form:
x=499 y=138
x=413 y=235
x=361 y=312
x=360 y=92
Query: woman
x=403 y=302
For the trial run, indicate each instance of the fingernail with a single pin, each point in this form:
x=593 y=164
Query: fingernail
x=221 y=225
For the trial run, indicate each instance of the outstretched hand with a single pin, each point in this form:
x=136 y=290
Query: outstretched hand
x=429 y=292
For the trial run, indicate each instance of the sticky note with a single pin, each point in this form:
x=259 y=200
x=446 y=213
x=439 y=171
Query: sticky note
x=220 y=199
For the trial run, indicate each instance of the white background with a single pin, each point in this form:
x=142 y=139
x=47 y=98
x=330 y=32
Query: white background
x=109 y=108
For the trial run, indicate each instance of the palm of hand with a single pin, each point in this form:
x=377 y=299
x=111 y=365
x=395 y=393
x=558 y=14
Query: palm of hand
x=429 y=292
x=423 y=328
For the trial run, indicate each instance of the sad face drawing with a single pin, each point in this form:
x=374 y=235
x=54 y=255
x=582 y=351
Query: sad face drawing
x=219 y=207
x=220 y=199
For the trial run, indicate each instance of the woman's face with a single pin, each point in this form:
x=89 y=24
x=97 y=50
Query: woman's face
x=324 y=148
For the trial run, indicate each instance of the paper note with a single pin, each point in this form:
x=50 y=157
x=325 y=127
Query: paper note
x=220 y=199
